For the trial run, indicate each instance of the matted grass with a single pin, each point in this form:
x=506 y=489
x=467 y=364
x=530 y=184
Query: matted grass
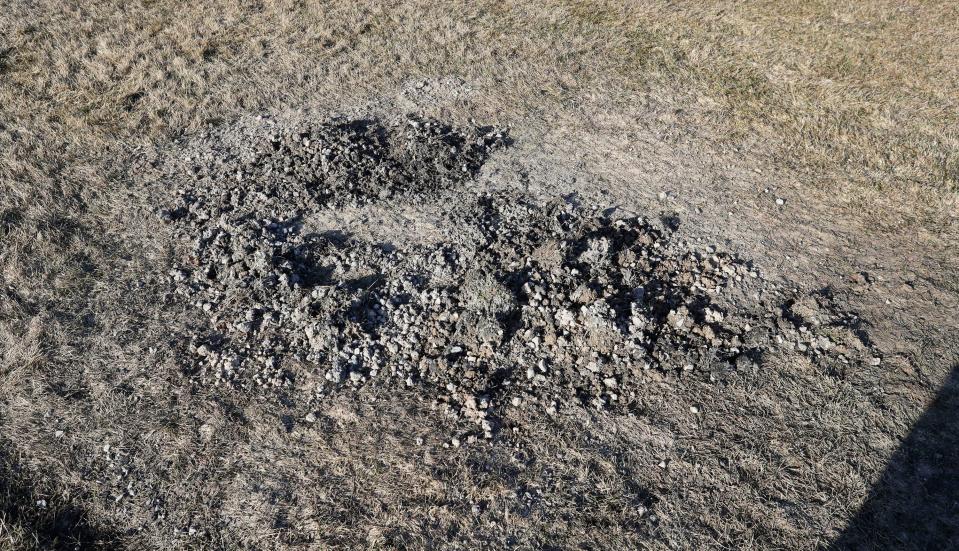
x=856 y=102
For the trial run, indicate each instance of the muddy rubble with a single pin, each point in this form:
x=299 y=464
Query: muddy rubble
x=530 y=304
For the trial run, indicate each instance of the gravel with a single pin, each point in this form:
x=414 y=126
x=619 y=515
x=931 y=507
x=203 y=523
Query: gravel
x=528 y=304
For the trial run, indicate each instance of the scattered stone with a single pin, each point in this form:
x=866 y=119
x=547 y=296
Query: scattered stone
x=542 y=303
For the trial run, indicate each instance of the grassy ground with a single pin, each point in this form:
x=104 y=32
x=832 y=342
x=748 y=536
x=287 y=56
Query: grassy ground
x=871 y=88
x=860 y=100
x=867 y=95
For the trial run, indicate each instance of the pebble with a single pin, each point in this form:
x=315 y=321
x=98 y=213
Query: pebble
x=516 y=307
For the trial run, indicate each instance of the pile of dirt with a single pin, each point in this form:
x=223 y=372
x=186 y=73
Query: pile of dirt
x=526 y=305
x=332 y=164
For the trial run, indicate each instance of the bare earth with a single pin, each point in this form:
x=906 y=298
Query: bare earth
x=816 y=145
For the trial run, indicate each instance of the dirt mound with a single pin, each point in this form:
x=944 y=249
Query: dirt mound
x=527 y=304
x=332 y=164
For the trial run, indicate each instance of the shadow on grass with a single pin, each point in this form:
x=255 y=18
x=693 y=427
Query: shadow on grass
x=915 y=505
x=31 y=519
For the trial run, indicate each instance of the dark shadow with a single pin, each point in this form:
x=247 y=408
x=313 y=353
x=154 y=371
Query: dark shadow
x=40 y=515
x=915 y=505
x=6 y=54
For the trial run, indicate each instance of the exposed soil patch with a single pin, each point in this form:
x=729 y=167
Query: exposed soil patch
x=334 y=164
x=526 y=304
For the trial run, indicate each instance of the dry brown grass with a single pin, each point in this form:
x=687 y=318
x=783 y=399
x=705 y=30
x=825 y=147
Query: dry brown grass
x=860 y=98
x=866 y=93
x=871 y=86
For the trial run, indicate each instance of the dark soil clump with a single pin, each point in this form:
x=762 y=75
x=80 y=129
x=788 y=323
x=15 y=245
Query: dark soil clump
x=527 y=304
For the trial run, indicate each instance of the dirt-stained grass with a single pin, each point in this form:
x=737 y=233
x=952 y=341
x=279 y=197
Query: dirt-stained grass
x=860 y=98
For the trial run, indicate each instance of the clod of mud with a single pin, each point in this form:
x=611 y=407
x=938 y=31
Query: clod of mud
x=333 y=164
x=528 y=305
